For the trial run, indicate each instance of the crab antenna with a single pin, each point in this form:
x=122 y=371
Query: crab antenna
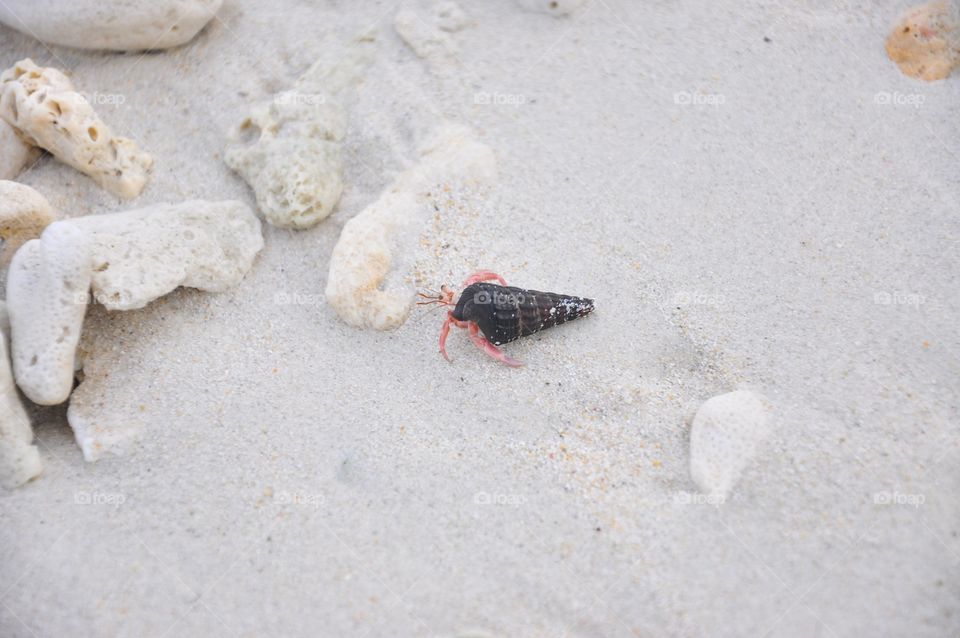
x=435 y=304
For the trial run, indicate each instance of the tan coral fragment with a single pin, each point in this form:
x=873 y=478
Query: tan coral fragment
x=358 y=286
x=45 y=109
x=24 y=213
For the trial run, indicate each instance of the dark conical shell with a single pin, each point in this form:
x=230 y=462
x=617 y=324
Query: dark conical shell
x=506 y=313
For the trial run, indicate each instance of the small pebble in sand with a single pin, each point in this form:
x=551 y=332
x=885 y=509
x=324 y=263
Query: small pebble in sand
x=42 y=105
x=24 y=213
x=724 y=437
x=925 y=43
x=117 y=25
x=553 y=7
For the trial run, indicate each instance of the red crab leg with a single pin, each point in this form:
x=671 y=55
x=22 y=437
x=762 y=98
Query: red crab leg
x=445 y=330
x=491 y=349
x=484 y=275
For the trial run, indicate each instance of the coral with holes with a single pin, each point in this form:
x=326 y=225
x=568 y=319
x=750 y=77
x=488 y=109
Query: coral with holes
x=41 y=104
x=140 y=255
x=289 y=149
x=24 y=213
x=294 y=164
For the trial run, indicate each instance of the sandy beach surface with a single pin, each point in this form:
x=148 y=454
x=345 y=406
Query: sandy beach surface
x=753 y=194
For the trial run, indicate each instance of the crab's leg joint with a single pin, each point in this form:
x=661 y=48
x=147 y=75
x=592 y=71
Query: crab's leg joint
x=445 y=330
x=491 y=349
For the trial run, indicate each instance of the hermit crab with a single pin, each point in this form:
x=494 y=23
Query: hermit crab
x=496 y=314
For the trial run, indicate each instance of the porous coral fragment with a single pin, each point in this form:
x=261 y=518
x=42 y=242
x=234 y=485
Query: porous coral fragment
x=41 y=104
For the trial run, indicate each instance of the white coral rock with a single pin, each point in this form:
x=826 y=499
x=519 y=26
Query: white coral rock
x=724 y=437
x=363 y=256
x=128 y=259
x=19 y=458
x=118 y=25
x=42 y=105
x=295 y=167
x=140 y=255
x=361 y=261
x=46 y=299
x=24 y=213
x=15 y=154
x=289 y=150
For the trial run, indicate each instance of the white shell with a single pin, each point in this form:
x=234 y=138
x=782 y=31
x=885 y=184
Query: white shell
x=118 y=25
x=724 y=437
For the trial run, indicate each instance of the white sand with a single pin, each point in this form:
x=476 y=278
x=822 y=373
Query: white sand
x=298 y=477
